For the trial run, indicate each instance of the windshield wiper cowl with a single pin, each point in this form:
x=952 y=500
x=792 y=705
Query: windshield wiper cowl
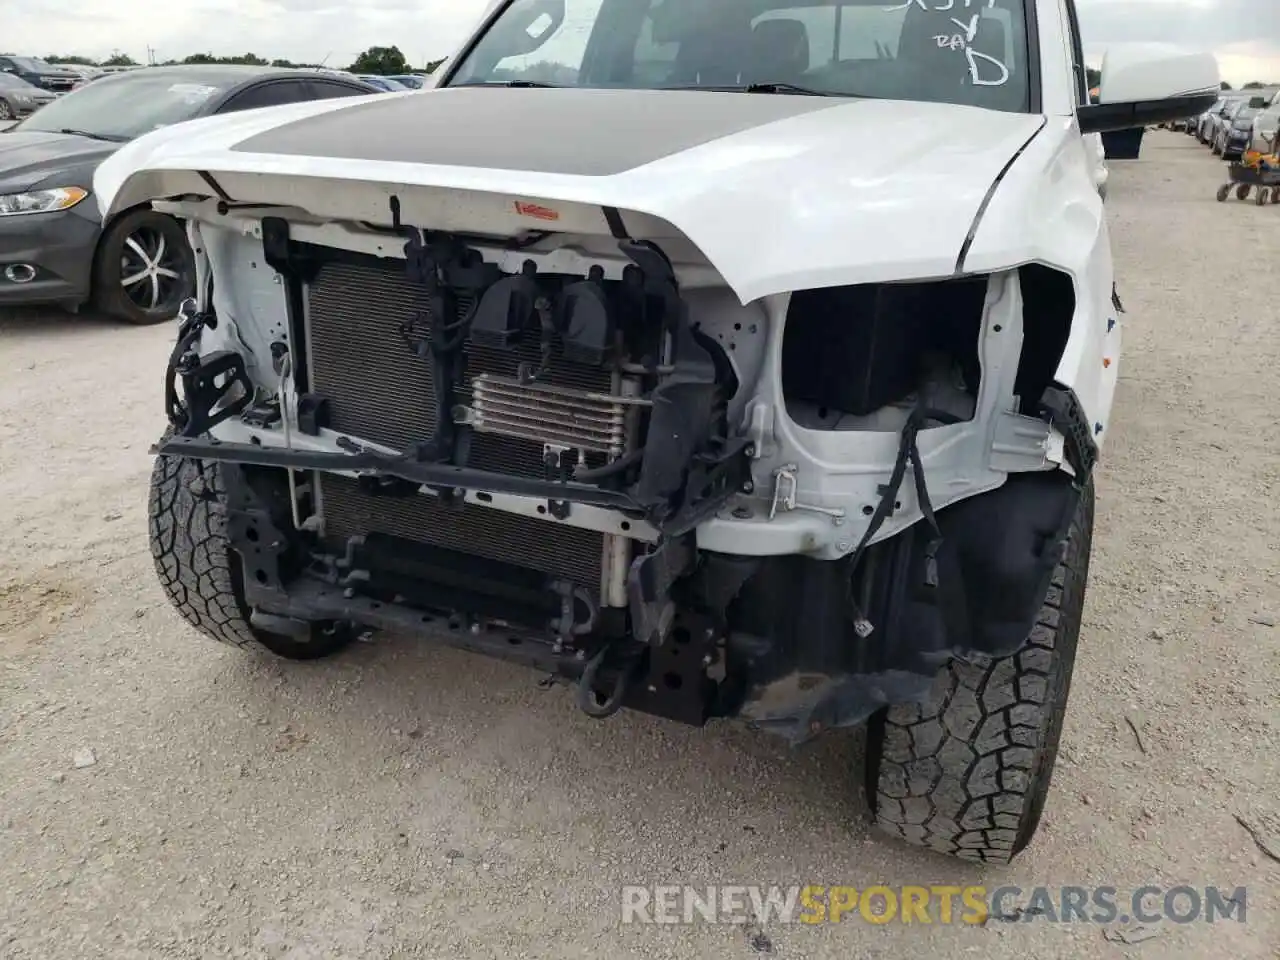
x=771 y=87
x=792 y=88
x=508 y=83
x=104 y=137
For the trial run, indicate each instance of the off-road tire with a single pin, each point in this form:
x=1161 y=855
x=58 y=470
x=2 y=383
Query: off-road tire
x=967 y=772
x=199 y=571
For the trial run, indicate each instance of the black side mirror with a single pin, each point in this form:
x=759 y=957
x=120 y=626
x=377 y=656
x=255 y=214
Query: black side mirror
x=1110 y=117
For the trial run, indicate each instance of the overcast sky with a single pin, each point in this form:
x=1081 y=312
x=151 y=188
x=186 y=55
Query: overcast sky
x=1244 y=33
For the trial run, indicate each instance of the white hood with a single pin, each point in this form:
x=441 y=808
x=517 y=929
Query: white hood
x=777 y=192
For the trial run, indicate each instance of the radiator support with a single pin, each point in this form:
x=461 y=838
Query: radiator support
x=379 y=391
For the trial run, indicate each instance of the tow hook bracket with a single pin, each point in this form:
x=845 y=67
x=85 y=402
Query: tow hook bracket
x=253 y=534
x=677 y=683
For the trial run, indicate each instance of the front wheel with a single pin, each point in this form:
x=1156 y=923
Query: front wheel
x=6 y=111
x=201 y=574
x=967 y=772
x=144 y=268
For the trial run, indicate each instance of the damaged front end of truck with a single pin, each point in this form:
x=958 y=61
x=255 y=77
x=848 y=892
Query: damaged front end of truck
x=584 y=453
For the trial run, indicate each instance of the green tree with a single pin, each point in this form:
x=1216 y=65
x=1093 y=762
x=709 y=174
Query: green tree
x=1253 y=85
x=252 y=59
x=434 y=65
x=1225 y=85
x=381 y=60
x=119 y=59
x=74 y=60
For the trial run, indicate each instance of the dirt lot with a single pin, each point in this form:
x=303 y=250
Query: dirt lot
x=408 y=801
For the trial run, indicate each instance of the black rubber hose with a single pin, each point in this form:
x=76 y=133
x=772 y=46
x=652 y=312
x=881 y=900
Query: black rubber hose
x=586 y=694
x=610 y=469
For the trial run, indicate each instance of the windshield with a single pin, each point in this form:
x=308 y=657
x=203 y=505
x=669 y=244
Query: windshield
x=31 y=65
x=931 y=50
x=129 y=105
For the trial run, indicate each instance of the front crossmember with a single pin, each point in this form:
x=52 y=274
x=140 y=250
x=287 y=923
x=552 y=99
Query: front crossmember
x=370 y=463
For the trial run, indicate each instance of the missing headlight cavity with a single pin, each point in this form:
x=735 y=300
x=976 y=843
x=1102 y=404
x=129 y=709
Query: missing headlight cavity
x=858 y=357
x=1048 y=304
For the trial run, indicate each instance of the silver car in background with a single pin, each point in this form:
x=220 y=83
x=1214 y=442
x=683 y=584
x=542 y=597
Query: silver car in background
x=20 y=99
x=1211 y=118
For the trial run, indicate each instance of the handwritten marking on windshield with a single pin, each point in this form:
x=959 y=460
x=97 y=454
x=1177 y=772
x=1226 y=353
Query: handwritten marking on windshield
x=962 y=41
x=943 y=7
x=980 y=64
x=975 y=75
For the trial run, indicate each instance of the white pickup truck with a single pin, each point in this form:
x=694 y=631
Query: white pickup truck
x=726 y=358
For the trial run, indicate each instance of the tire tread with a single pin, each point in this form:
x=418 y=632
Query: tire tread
x=189 y=548
x=966 y=772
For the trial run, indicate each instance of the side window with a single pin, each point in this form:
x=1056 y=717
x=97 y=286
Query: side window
x=327 y=90
x=271 y=94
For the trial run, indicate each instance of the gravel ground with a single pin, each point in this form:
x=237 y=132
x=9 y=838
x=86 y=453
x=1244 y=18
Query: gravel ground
x=408 y=801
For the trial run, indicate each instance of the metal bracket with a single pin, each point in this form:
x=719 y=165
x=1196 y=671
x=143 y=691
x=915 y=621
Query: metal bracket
x=555 y=459
x=209 y=389
x=1020 y=444
x=785 y=486
x=252 y=533
x=760 y=425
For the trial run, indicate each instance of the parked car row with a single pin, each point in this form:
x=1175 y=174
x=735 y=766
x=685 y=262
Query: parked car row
x=393 y=83
x=54 y=246
x=19 y=99
x=58 y=79
x=1238 y=122
x=55 y=78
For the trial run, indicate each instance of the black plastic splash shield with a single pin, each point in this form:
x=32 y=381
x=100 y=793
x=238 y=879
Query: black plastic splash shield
x=810 y=671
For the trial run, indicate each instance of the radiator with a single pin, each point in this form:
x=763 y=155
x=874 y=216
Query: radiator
x=379 y=391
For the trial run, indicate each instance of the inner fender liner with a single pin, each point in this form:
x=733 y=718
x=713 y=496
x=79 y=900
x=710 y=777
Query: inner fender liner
x=809 y=670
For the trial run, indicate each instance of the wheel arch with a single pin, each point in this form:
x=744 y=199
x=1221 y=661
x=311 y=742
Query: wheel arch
x=99 y=292
x=994 y=563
